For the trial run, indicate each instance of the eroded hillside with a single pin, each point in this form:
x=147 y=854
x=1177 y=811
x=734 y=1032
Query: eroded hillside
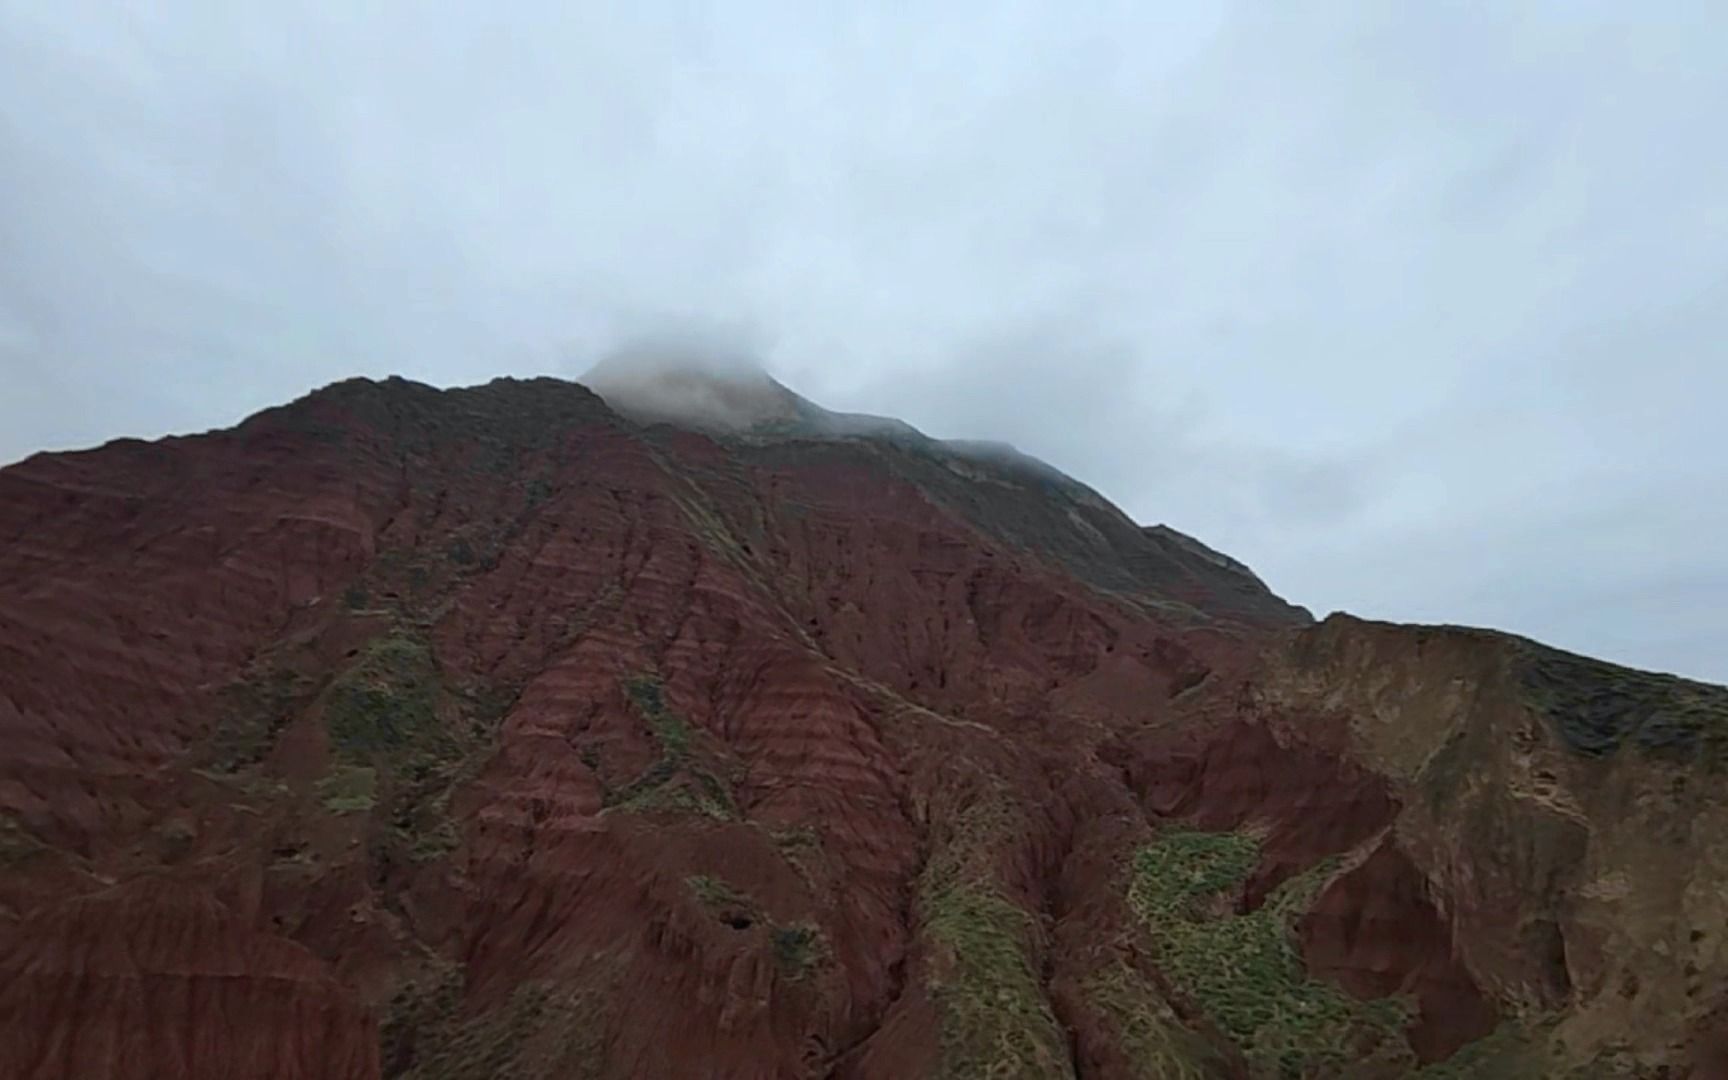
x=407 y=733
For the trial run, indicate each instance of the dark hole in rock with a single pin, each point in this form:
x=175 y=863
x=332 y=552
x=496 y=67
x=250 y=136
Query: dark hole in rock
x=737 y=921
x=1545 y=944
x=1629 y=985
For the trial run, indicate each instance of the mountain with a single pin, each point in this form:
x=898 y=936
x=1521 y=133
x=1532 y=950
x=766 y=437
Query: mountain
x=687 y=729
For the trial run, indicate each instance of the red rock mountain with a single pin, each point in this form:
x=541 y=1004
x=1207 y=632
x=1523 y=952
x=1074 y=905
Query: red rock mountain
x=503 y=732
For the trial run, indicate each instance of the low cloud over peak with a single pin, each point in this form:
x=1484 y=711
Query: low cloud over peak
x=732 y=399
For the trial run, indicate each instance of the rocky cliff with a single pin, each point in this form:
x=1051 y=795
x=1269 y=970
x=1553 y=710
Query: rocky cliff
x=505 y=731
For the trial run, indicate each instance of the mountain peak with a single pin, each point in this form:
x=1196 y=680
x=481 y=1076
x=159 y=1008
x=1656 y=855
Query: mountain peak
x=715 y=391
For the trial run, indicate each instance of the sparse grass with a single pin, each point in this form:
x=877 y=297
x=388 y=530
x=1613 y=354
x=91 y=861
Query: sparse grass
x=1443 y=776
x=1043 y=513
x=672 y=798
x=414 y=1022
x=1597 y=707
x=1506 y=1053
x=386 y=702
x=17 y=843
x=1242 y=970
x=433 y=841
x=796 y=838
x=801 y=847
x=799 y=949
x=717 y=894
x=1149 y=1032
x=711 y=527
x=403 y=742
x=544 y=1029
x=350 y=789
x=1613 y=1061
x=676 y=782
x=670 y=730
x=996 y=1020
x=252 y=713
x=251 y=785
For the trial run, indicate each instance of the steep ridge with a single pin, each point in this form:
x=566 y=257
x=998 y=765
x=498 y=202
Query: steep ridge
x=514 y=731
x=1009 y=495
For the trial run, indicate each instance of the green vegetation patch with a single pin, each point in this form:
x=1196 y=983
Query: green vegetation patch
x=676 y=782
x=1157 y=1044
x=418 y=1015
x=1444 y=775
x=349 y=789
x=799 y=948
x=386 y=702
x=396 y=750
x=718 y=894
x=1596 y=707
x=544 y=1029
x=679 y=799
x=796 y=838
x=251 y=714
x=801 y=847
x=984 y=978
x=996 y=1021
x=648 y=693
x=1242 y=970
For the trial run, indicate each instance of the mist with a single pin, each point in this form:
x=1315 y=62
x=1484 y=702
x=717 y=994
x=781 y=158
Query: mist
x=1420 y=311
x=707 y=376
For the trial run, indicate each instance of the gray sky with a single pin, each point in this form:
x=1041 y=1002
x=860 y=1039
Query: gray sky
x=1419 y=309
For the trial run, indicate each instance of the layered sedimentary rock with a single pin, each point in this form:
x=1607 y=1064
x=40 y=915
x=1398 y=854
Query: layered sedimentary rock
x=512 y=732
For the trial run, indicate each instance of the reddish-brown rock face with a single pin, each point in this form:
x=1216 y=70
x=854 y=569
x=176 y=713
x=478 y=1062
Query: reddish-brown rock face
x=400 y=732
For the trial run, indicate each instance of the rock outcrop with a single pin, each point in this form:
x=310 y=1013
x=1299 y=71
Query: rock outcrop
x=400 y=732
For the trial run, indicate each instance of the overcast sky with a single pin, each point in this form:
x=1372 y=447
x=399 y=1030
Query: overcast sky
x=1419 y=309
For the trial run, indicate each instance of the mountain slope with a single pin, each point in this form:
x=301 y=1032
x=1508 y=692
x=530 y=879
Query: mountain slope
x=514 y=731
